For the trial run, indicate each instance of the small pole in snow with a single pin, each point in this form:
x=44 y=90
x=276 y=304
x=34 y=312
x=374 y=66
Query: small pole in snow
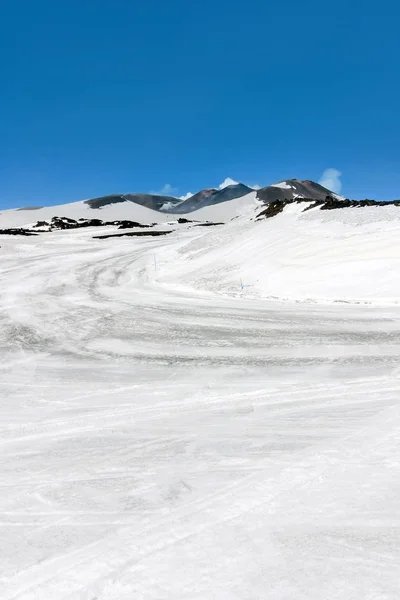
x=241 y=284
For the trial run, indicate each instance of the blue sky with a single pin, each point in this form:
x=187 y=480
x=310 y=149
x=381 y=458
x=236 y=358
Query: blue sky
x=101 y=97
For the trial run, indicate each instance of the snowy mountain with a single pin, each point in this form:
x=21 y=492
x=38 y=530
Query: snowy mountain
x=293 y=188
x=172 y=205
x=113 y=210
x=210 y=197
x=126 y=210
x=151 y=208
x=214 y=205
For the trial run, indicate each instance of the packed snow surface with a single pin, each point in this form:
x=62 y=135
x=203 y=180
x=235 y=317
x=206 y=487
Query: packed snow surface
x=210 y=414
x=348 y=254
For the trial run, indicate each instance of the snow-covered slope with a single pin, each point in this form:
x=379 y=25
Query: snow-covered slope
x=245 y=206
x=346 y=254
x=78 y=210
x=167 y=435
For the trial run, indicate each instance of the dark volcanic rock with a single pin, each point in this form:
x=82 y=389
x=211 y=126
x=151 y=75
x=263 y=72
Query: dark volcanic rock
x=207 y=224
x=63 y=223
x=329 y=203
x=129 y=224
x=274 y=208
x=132 y=234
x=17 y=231
x=58 y=223
x=92 y=223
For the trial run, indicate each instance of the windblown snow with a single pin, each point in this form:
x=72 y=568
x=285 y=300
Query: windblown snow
x=209 y=414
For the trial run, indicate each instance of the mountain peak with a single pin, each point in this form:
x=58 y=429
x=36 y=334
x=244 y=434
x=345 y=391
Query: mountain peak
x=211 y=196
x=290 y=189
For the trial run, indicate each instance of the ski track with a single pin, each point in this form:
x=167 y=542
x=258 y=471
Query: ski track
x=164 y=443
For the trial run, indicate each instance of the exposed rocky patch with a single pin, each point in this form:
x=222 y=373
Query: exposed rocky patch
x=132 y=234
x=129 y=224
x=207 y=224
x=275 y=207
x=61 y=223
x=332 y=203
x=66 y=223
x=18 y=231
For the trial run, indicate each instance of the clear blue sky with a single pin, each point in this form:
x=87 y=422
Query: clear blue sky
x=100 y=97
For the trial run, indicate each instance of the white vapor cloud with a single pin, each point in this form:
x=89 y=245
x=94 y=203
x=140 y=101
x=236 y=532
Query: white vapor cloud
x=186 y=196
x=228 y=181
x=166 y=190
x=331 y=179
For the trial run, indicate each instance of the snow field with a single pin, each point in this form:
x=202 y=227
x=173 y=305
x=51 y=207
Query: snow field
x=166 y=434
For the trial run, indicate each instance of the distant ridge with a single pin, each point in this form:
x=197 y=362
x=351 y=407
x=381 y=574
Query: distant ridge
x=289 y=189
x=172 y=205
x=153 y=201
x=211 y=196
